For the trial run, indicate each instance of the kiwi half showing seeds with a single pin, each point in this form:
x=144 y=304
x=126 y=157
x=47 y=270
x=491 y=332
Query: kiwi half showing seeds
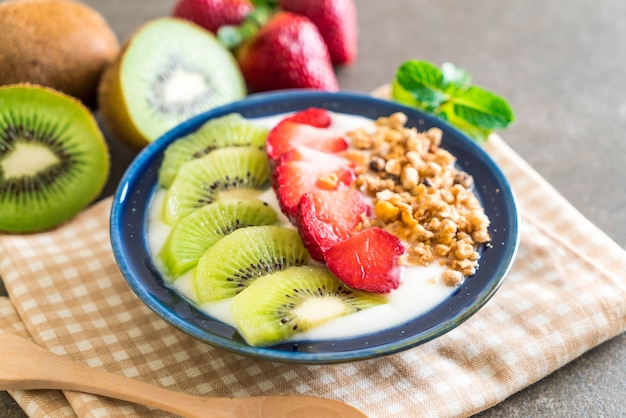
x=239 y=258
x=54 y=160
x=168 y=71
x=200 y=181
x=280 y=305
x=194 y=234
x=232 y=130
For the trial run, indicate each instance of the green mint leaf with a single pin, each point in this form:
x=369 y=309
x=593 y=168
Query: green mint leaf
x=483 y=109
x=448 y=94
x=422 y=81
x=454 y=78
x=448 y=114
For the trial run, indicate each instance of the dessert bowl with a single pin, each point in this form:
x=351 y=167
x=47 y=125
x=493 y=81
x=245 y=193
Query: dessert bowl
x=131 y=204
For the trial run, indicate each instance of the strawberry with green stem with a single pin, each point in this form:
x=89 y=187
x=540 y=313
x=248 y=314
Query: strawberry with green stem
x=280 y=50
x=335 y=19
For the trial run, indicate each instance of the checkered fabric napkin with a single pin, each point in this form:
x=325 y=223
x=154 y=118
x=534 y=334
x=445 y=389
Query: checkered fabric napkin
x=565 y=294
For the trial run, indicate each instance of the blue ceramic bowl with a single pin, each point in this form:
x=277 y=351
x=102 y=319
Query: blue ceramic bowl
x=129 y=237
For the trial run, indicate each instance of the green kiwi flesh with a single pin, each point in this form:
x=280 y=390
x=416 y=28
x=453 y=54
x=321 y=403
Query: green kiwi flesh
x=173 y=70
x=225 y=131
x=169 y=71
x=194 y=234
x=200 y=181
x=54 y=160
x=242 y=256
x=278 y=306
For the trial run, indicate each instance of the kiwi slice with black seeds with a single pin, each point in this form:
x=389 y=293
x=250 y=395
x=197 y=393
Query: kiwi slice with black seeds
x=225 y=131
x=54 y=160
x=194 y=234
x=168 y=71
x=199 y=182
x=242 y=256
x=280 y=305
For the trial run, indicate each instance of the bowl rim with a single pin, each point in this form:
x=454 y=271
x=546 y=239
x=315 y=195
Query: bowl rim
x=124 y=233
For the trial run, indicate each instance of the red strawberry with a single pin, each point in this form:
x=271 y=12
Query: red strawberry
x=287 y=52
x=212 y=14
x=313 y=116
x=304 y=169
x=336 y=21
x=367 y=260
x=326 y=217
x=288 y=135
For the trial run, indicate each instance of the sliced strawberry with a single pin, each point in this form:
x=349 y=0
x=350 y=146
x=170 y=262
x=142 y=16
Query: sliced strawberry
x=367 y=260
x=304 y=169
x=326 y=217
x=288 y=135
x=314 y=116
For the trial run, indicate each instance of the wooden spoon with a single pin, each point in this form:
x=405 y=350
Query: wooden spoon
x=25 y=365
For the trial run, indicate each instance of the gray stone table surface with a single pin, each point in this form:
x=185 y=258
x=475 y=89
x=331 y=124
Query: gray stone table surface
x=562 y=66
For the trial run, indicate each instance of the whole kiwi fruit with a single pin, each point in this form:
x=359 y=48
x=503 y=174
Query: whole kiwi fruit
x=61 y=44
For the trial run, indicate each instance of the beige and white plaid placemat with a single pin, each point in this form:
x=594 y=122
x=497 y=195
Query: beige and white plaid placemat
x=565 y=294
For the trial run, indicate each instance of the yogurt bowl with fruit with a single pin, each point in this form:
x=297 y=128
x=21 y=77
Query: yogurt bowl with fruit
x=314 y=227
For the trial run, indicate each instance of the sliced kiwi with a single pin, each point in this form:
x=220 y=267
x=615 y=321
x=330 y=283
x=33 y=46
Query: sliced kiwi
x=277 y=306
x=54 y=160
x=167 y=72
x=226 y=131
x=200 y=181
x=240 y=257
x=194 y=234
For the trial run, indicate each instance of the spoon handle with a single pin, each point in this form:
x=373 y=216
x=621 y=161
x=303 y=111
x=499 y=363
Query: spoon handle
x=24 y=365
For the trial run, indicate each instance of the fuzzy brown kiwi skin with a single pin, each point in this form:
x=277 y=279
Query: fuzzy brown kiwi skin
x=61 y=44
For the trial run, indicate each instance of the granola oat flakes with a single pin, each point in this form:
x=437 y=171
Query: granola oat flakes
x=420 y=196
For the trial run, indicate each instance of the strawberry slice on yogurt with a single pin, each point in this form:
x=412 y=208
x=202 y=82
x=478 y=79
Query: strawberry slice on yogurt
x=305 y=169
x=289 y=134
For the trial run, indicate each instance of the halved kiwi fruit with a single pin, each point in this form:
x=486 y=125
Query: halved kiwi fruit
x=200 y=181
x=169 y=70
x=277 y=306
x=194 y=234
x=226 y=131
x=54 y=160
x=242 y=256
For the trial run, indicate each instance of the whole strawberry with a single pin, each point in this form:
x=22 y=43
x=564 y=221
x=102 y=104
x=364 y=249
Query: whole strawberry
x=212 y=14
x=288 y=52
x=336 y=21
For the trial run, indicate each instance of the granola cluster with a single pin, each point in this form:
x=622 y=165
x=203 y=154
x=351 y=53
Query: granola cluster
x=420 y=196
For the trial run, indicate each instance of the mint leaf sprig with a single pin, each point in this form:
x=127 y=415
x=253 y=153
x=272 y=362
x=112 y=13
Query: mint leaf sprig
x=447 y=93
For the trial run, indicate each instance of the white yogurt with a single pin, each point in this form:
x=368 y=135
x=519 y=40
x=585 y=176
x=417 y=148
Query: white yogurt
x=420 y=290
